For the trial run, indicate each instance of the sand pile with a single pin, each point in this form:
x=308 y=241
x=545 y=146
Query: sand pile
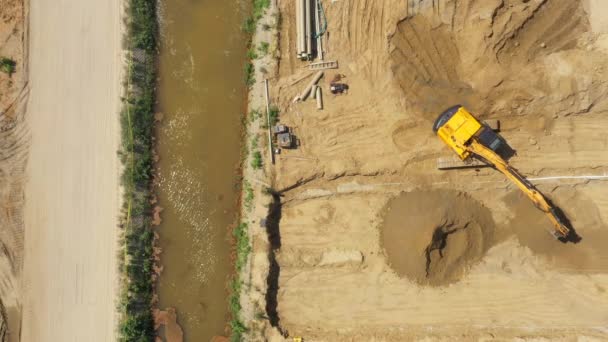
x=433 y=237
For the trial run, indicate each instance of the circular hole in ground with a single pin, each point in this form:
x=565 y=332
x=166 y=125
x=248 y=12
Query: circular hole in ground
x=434 y=237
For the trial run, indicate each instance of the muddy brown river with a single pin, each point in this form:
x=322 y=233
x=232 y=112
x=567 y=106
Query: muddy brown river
x=202 y=97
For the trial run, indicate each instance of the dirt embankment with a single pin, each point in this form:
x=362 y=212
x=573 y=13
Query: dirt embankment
x=13 y=155
x=344 y=271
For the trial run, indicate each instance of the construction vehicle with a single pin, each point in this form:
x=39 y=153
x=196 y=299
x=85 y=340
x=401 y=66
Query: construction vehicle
x=470 y=138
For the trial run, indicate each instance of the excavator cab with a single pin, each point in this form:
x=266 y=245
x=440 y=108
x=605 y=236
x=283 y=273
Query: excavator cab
x=457 y=126
x=490 y=139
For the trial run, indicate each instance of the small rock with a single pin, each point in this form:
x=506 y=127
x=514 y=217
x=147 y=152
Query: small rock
x=516 y=43
x=532 y=141
x=543 y=45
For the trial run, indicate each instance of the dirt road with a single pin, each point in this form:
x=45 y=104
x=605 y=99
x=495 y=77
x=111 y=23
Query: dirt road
x=72 y=194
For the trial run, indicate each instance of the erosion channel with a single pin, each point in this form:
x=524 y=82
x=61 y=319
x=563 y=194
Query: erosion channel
x=201 y=97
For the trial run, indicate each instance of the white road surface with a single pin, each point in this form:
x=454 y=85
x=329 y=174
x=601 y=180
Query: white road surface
x=72 y=194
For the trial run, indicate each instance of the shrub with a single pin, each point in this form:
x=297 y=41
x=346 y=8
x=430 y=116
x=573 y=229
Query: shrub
x=137 y=122
x=273 y=115
x=7 y=65
x=249 y=196
x=263 y=48
x=256 y=162
x=249 y=74
x=259 y=8
x=251 y=54
x=243 y=248
x=249 y=25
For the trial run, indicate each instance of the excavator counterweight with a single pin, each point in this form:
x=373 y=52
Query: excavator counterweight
x=468 y=137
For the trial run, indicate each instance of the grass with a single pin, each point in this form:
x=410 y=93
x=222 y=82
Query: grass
x=7 y=65
x=256 y=162
x=263 y=48
x=137 y=123
x=240 y=233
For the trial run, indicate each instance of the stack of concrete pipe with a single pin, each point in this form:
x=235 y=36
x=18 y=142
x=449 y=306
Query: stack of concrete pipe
x=304 y=12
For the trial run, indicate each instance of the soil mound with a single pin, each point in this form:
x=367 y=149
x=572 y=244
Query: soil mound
x=433 y=237
x=496 y=59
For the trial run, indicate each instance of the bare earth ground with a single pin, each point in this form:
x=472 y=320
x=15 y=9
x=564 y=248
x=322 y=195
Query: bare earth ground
x=539 y=66
x=72 y=191
x=13 y=155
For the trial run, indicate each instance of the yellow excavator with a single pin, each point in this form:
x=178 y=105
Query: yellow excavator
x=469 y=138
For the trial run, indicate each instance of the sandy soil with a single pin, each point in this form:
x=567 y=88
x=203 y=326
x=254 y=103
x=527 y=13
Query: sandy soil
x=72 y=192
x=13 y=156
x=540 y=67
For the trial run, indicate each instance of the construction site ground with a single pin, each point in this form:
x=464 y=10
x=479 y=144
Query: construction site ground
x=362 y=193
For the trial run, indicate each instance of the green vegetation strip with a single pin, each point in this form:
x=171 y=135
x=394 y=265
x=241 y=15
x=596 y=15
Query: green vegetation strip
x=240 y=233
x=137 y=121
x=243 y=248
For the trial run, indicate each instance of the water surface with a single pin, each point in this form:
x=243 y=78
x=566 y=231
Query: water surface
x=202 y=96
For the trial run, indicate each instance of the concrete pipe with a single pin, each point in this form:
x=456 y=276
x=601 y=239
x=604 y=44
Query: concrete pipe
x=299 y=32
x=308 y=19
x=319 y=98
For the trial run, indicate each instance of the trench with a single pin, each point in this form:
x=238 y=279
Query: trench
x=201 y=96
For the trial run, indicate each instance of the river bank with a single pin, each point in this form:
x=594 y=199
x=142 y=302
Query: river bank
x=138 y=257
x=253 y=308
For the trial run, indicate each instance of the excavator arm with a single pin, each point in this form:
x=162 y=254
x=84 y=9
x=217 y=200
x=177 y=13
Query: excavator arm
x=476 y=148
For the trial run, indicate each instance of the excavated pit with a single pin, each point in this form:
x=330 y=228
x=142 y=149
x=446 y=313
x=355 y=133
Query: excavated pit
x=434 y=237
x=514 y=58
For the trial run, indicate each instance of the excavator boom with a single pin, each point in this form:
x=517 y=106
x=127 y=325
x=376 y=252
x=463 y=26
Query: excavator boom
x=489 y=156
x=462 y=132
